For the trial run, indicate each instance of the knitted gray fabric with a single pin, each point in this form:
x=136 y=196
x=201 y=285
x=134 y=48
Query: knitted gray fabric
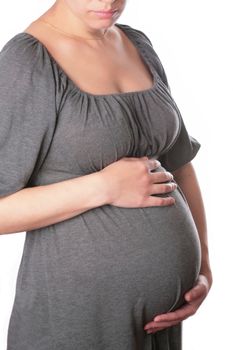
x=93 y=281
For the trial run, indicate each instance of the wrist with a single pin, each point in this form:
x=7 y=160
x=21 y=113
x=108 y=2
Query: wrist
x=103 y=189
x=205 y=268
x=206 y=271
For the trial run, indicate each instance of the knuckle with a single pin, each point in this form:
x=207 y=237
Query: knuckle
x=141 y=202
x=145 y=178
x=141 y=163
x=173 y=186
x=157 y=201
x=167 y=188
x=143 y=167
x=161 y=201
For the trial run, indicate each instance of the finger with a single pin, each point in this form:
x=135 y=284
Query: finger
x=161 y=176
x=157 y=164
x=163 y=188
x=152 y=164
x=154 y=330
x=182 y=313
x=195 y=293
x=155 y=325
x=158 y=201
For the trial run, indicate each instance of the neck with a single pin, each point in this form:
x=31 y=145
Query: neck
x=61 y=15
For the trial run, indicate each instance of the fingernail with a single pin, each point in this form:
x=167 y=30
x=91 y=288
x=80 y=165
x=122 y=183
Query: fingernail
x=156 y=319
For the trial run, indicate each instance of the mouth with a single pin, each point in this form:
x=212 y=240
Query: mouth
x=106 y=14
x=106 y=11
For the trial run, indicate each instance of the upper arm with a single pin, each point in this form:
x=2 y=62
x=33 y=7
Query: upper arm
x=27 y=113
x=181 y=152
x=182 y=171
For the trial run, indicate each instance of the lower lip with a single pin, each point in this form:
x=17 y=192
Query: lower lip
x=105 y=14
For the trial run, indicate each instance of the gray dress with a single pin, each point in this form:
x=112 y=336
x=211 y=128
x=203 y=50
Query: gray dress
x=93 y=281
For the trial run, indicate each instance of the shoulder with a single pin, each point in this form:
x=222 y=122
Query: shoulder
x=27 y=73
x=137 y=33
x=26 y=69
x=24 y=54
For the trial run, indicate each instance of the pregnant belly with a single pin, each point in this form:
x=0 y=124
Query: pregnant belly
x=139 y=259
x=154 y=250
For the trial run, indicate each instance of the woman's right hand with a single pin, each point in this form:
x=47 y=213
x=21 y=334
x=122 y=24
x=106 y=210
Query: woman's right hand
x=130 y=184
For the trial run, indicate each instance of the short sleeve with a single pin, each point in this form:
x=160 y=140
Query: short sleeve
x=185 y=147
x=27 y=112
x=182 y=151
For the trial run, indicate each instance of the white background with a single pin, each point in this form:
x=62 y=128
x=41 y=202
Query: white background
x=194 y=42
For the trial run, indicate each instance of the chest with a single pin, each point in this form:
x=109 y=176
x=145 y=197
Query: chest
x=133 y=119
x=110 y=71
x=92 y=132
x=116 y=66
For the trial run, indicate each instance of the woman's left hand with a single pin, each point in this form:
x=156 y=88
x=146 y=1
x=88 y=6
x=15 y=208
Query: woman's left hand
x=194 y=298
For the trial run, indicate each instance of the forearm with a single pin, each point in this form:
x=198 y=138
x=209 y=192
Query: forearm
x=187 y=180
x=40 y=206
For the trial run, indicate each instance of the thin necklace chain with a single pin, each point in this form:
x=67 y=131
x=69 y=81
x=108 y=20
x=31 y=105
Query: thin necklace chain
x=68 y=34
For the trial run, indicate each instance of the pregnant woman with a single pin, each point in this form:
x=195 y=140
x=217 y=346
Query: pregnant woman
x=95 y=166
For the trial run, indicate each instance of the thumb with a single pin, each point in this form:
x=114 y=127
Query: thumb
x=195 y=293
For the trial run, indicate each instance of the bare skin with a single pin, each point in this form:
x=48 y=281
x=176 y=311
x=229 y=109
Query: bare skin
x=117 y=62
x=118 y=66
x=40 y=206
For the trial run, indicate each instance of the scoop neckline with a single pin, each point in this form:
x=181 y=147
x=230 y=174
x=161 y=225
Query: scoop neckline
x=137 y=45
